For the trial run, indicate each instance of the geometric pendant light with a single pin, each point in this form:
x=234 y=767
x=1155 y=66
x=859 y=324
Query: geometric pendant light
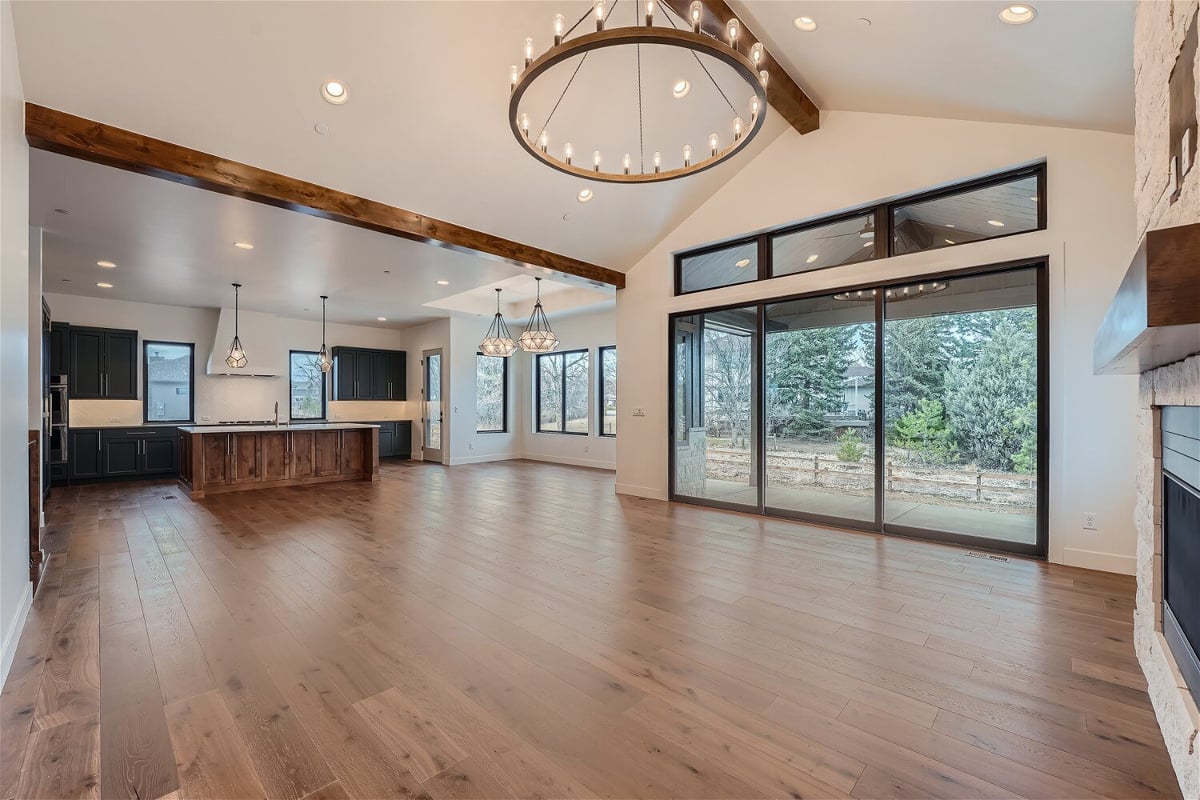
x=538 y=336
x=237 y=354
x=323 y=359
x=498 y=341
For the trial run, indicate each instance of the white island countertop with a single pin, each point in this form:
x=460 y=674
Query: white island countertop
x=298 y=426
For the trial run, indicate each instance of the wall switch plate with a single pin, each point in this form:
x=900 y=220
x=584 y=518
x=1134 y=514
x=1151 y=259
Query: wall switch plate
x=470 y=445
x=639 y=412
x=114 y=419
x=1089 y=520
x=206 y=419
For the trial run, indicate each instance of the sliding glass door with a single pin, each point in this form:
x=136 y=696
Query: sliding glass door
x=915 y=408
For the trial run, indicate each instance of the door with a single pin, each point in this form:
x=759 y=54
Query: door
x=86 y=363
x=247 y=458
x=353 y=447
x=84 y=460
x=274 y=455
x=120 y=365
x=216 y=459
x=433 y=412
x=326 y=451
x=160 y=454
x=122 y=456
x=300 y=458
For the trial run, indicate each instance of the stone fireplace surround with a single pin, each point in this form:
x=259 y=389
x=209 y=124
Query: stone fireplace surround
x=1175 y=384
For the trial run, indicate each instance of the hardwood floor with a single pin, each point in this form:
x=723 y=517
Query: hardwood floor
x=517 y=630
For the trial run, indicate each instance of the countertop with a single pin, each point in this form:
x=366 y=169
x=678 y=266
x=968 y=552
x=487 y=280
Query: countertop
x=118 y=425
x=307 y=426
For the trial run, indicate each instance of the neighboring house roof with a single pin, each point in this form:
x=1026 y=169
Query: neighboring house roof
x=170 y=370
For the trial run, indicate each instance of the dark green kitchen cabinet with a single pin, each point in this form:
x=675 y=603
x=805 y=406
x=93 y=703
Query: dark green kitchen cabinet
x=121 y=456
x=138 y=452
x=102 y=363
x=60 y=348
x=84 y=454
x=395 y=439
x=366 y=374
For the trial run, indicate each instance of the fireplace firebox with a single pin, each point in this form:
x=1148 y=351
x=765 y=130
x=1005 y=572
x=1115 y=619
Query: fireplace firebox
x=1181 y=539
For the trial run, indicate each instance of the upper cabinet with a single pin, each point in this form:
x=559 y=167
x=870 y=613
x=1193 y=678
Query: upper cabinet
x=60 y=348
x=102 y=363
x=363 y=374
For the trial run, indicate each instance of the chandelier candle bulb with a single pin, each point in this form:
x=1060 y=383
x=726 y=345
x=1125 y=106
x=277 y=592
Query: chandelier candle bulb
x=739 y=128
x=596 y=160
x=625 y=162
x=649 y=13
x=732 y=30
x=525 y=125
x=513 y=75
x=599 y=15
x=764 y=77
x=560 y=24
x=568 y=151
x=544 y=140
x=756 y=53
x=528 y=50
x=713 y=144
x=657 y=161
x=696 y=14
x=754 y=107
x=687 y=155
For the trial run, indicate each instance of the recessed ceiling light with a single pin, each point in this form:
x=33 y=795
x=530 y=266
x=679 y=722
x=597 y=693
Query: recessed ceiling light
x=995 y=223
x=868 y=244
x=335 y=92
x=381 y=319
x=745 y=262
x=950 y=225
x=948 y=241
x=243 y=245
x=443 y=283
x=106 y=264
x=585 y=196
x=104 y=285
x=1018 y=14
x=812 y=258
x=805 y=23
x=680 y=89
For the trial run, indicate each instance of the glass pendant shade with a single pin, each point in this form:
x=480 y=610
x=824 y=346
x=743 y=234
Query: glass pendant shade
x=323 y=359
x=538 y=336
x=498 y=341
x=236 y=358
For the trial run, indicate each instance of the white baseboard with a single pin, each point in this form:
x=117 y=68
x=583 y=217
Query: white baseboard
x=641 y=491
x=573 y=462
x=13 y=635
x=1105 y=562
x=484 y=459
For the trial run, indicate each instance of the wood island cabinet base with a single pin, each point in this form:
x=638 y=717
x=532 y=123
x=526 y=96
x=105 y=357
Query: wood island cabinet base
x=217 y=462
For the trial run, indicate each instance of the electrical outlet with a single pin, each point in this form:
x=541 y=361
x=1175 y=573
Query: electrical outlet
x=470 y=445
x=206 y=419
x=114 y=419
x=639 y=412
x=587 y=448
x=1089 y=520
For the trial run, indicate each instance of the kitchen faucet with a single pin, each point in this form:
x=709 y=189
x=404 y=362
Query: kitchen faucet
x=276 y=413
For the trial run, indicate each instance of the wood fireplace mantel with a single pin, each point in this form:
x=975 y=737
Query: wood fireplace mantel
x=1155 y=318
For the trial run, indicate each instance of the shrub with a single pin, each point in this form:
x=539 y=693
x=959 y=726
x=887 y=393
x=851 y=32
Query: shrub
x=850 y=446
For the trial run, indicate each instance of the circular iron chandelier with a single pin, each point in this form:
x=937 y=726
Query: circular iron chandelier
x=685 y=160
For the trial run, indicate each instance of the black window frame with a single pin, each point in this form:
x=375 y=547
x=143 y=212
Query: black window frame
x=563 y=378
x=884 y=216
x=191 y=346
x=324 y=390
x=503 y=392
x=600 y=390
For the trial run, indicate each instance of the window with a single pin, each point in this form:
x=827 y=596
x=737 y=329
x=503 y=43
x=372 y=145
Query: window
x=562 y=392
x=169 y=381
x=307 y=390
x=491 y=394
x=970 y=211
x=608 y=391
x=722 y=266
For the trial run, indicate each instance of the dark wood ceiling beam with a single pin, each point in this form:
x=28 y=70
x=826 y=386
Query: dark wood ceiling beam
x=783 y=93
x=59 y=132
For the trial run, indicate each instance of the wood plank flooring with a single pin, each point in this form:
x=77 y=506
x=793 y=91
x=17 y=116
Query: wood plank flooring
x=517 y=630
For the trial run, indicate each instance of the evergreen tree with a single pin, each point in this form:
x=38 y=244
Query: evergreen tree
x=806 y=371
x=916 y=357
x=924 y=433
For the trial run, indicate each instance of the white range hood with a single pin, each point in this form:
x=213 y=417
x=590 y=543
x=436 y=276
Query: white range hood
x=261 y=334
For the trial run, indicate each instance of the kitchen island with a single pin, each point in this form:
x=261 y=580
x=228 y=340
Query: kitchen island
x=231 y=458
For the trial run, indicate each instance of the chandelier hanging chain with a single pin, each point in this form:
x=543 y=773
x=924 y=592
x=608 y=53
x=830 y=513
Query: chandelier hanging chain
x=564 y=93
x=713 y=80
x=641 y=122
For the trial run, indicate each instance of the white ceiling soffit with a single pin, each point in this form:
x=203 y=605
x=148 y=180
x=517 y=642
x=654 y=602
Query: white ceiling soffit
x=174 y=244
x=1072 y=66
x=426 y=125
x=517 y=299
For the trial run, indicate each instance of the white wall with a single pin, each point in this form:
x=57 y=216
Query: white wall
x=217 y=397
x=575 y=331
x=467 y=445
x=15 y=587
x=857 y=158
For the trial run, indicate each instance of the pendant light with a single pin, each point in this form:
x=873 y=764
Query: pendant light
x=237 y=354
x=538 y=337
x=498 y=341
x=323 y=360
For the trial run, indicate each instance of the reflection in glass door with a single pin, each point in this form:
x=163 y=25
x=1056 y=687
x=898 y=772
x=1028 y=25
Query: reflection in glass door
x=960 y=399
x=432 y=414
x=714 y=455
x=819 y=389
